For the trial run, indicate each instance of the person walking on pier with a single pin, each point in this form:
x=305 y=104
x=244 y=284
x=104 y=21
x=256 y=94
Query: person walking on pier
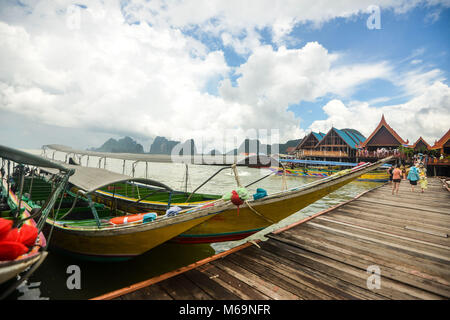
x=403 y=168
x=389 y=171
x=423 y=177
x=396 y=178
x=413 y=176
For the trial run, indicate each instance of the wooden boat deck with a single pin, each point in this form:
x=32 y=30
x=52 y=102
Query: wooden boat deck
x=326 y=256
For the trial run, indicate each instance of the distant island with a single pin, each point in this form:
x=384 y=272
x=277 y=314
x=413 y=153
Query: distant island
x=124 y=145
x=162 y=145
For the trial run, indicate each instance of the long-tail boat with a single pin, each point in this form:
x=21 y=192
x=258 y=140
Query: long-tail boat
x=322 y=169
x=18 y=215
x=231 y=223
x=90 y=231
x=94 y=231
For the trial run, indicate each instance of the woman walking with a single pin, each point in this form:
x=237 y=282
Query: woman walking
x=389 y=171
x=413 y=176
x=423 y=177
x=396 y=178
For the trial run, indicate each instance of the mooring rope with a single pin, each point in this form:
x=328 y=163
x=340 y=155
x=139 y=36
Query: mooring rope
x=238 y=181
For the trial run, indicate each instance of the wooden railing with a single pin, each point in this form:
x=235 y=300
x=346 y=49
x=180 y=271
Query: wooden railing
x=379 y=155
x=319 y=153
x=439 y=162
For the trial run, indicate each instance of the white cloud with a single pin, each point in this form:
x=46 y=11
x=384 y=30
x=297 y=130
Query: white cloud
x=427 y=115
x=96 y=71
x=234 y=17
x=272 y=80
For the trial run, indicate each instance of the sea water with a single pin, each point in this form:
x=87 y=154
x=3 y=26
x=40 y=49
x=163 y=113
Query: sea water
x=50 y=280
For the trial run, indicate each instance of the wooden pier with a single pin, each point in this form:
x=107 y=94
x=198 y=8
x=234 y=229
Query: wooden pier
x=327 y=256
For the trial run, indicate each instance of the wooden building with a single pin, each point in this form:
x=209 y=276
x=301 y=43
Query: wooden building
x=443 y=144
x=310 y=141
x=383 y=137
x=306 y=146
x=345 y=142
x=421 y=145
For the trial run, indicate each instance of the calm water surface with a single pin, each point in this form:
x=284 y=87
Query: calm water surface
x=49 y=281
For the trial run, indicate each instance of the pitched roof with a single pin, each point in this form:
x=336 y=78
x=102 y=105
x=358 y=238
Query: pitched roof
x=357 y=137
x=440 y=143
x=388 y=128
x=319 y=136
x=421 y=139
x=348 y=138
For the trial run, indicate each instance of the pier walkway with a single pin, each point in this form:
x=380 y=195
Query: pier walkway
x=327 y=256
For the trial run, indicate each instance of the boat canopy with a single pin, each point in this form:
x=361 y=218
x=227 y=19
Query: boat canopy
x=22 y=157
x=90 y=179
x=326 y=163
x=121 y=156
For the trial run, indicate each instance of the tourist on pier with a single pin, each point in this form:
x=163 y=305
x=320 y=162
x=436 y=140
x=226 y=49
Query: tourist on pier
x=413 y=176
x=396 y=178
x=423 y=177
x=389 y=171
x=403 y=168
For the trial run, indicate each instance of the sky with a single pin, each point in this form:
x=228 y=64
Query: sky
x=78 y=73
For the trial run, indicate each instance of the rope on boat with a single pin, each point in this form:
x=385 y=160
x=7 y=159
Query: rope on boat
x=71 y=208
x=238 y=181
x=258 y=213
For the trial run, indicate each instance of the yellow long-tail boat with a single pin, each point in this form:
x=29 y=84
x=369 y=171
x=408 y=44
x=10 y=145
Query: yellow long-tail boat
x=254 y=215
x=213 y=221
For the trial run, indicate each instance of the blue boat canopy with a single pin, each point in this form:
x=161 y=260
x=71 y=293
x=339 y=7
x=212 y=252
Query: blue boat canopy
x=326 y=163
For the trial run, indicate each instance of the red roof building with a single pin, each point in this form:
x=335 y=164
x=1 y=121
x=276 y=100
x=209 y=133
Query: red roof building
x=383 y=137
x=421 y=144
x=443 y=144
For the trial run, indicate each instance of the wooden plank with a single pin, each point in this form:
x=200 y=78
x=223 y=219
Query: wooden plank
x=181 y=288
x=434 y=248
x=278 y=277
x=418 y=249
x=232 y=284
x=269 y=289
x=365 y=248
x=428 y=231
x=362 y=255
x=334 y=289
x=274 y=248
x=380 y=205
x=391 y=229
x=391 y=289
x=390 y=268
x=392 y=203
x=154 y=292
x=409 y=195
x=152 y=281
x=391 y=217
x=210 y=287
